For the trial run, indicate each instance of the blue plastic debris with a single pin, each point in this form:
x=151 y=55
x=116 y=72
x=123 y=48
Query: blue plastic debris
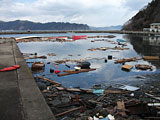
x=98 y=91
x=120 y=40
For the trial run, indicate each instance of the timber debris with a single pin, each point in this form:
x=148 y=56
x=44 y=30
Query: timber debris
x=108 y=48
x=75 y=71
x=143 y=67
x=111 y=102
x=114 y=102
x=36 y=66
x=127 y=60
x=36 y=57
x=151 y=57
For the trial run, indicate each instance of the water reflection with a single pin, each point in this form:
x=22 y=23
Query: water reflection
x=146 y=46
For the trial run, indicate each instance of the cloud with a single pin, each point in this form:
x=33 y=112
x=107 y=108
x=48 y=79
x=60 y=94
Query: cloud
x=91 y=12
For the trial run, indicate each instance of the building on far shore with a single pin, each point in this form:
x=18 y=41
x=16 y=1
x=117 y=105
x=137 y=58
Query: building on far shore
x=154 y=27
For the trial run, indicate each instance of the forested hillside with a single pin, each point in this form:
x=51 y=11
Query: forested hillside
x=28 y=25
x=149 y=14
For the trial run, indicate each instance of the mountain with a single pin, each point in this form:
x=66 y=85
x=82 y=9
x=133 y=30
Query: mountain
x=118 y=27
x=149 y=14
x=28 y=25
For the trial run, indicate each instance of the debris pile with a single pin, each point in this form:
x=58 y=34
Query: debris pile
x=117 y=102
x=112 y=102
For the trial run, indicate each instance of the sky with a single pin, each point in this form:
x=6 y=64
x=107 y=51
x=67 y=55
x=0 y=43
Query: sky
x=97 y=13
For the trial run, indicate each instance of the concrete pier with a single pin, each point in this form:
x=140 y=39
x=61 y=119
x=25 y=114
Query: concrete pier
x=20 y=98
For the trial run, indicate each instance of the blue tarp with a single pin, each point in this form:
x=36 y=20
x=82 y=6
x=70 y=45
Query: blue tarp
x=120 y=40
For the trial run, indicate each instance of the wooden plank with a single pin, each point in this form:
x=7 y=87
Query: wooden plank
x=151 y=58
x=127 y=67
x=114 y=92
x=121 y=108
x=75 y=72
x=143 y=67
x=127 y=60
x=46 y=79
x=81 y=70
x=152 y=118
x=68 y=111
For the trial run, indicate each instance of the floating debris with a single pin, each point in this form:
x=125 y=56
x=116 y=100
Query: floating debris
x=151 y=57
x=125 y=87
x=120 y=40
x=127 y=67
x=37 y=66
x=143 y=67
x=51 y=54
x=75 y=71
x=100 y=36
x=36 y=57
x=108 y=48
x=127 y=60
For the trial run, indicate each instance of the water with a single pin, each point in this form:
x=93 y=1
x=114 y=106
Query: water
x=106 y=73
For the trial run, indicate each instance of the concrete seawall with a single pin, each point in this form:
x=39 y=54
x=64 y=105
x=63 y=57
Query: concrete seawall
x=20 y=97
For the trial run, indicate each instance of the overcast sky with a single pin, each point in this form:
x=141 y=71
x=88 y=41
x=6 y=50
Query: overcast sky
x=97 y=13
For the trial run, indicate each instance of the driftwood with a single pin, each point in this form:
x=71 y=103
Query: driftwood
x=121 y=108
x=46 y=79
x=36 y=57
x=115 y=92
x=119 y=48
x=156 y=98
x=100 y=36
x=37 y=66
x=68 y=111
x=151 y=57
x=70 y=72
x=74 y=89
x=143 y=67
x=127 y=60
x=51 y=54
x=108 y=48
x=90 y=90
x=81 y=70
x=127 y=67
x=152 y=118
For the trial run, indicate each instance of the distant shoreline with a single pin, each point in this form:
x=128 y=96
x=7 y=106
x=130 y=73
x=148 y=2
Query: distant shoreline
x=79 y=31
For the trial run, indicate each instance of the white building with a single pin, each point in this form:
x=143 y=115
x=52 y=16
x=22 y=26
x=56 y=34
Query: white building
x=155 y=27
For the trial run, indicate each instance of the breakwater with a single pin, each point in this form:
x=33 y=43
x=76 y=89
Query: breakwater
x=80 y=31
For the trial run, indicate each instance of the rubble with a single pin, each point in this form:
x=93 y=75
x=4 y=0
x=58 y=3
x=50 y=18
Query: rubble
x=100 y=102
x=108 y=103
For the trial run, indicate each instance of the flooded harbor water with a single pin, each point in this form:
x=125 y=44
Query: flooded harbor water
x=107 y=72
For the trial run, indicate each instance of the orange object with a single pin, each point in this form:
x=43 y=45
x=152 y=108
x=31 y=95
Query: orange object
x=10 y=68
x=77 y=98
